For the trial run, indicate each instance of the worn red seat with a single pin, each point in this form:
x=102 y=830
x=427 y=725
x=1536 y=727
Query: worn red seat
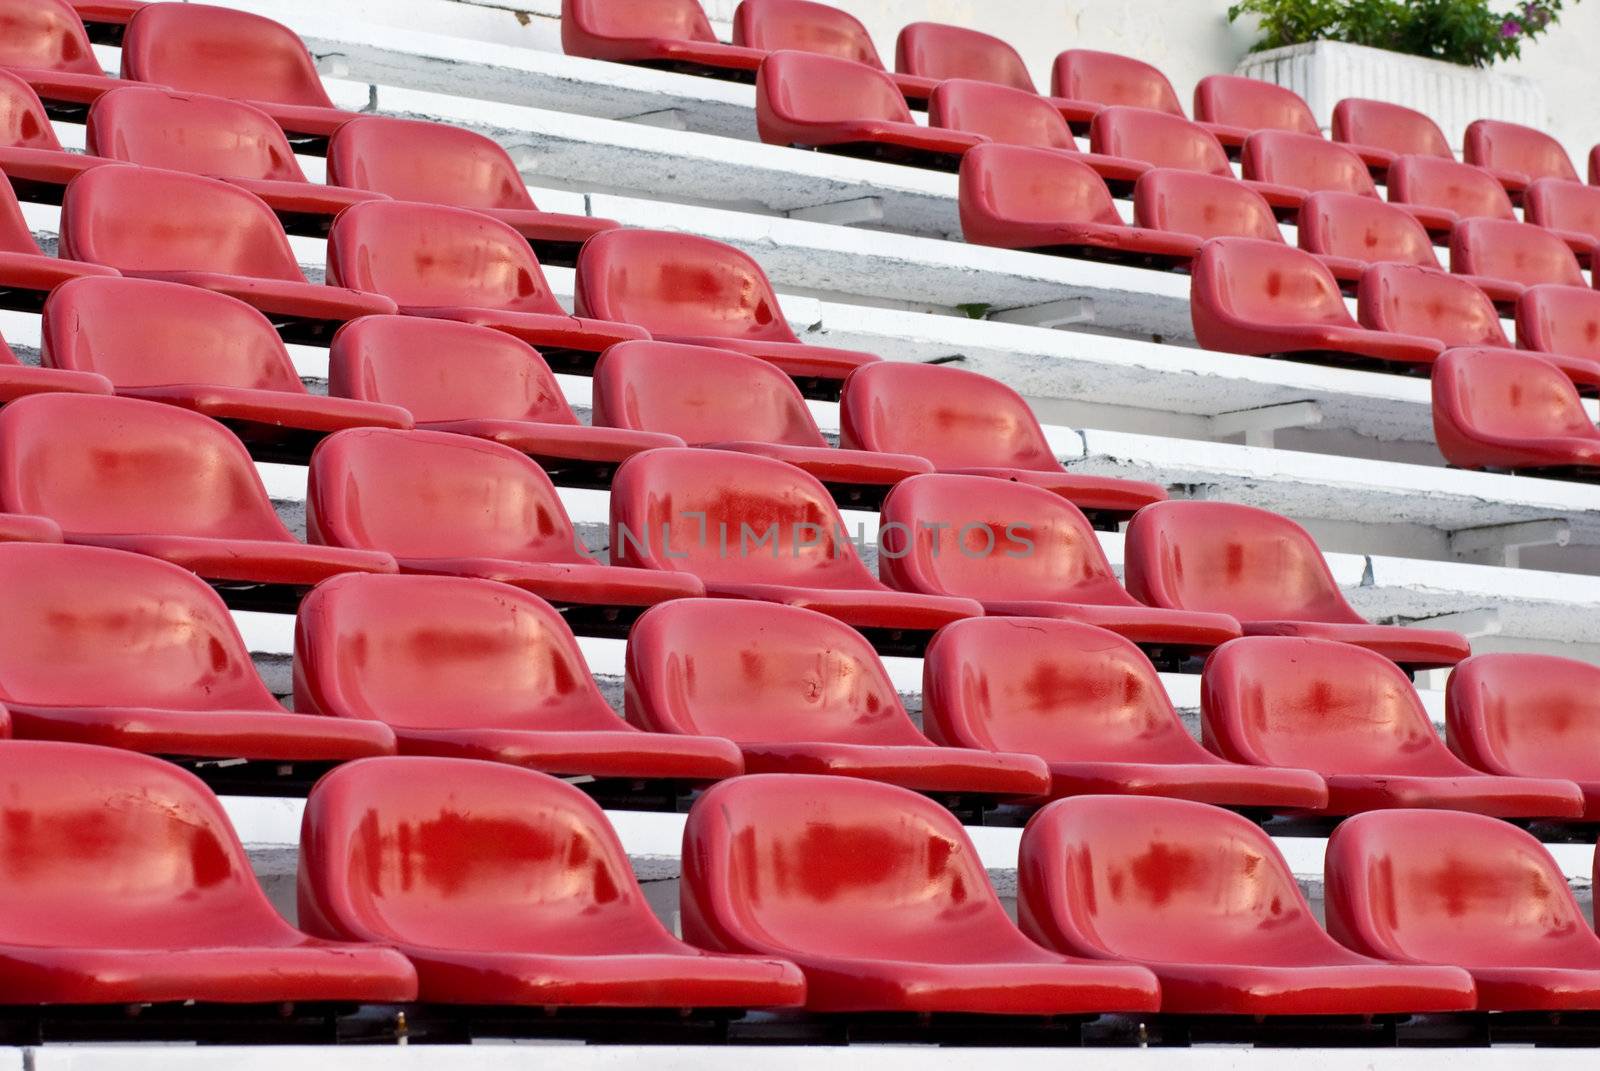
x=1518 y=155
x=455 y=505
x=471 y=380
x=18 y=379
x=895 y=913
x=672 y=35
x=1201 y=206
x=200 y=350
x=1237 y=107
x=804 y=26
x=684 y=288
x=1385 y=133
x=1562 y=323
x=27 y=273
x=471 y=669
x=971 y=424
x=1417 y=886
x=1570 y=210
x=44 y=43
x=1021 y=551
x=799 y=692
x=1512 y=411
x=1108 y=78
x=1442 y=185
x=31 y=155
x=1519 y=254
x=1312 y=163
x=1090 y=704
x=727 y=401
x=1205 y=900
x=1266 y=571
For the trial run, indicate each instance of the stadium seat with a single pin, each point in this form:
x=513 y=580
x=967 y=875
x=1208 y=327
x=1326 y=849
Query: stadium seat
x=1266 y=571
x=1311 y=163
x=1352 y=716
x=162 y=481
x=1562 y=324
x=1205 y=900
x=1107 y=78
x=27 y=273
x=31 y=155
x=1382 y=132
x=967 y=423
x=1571 y=210
x=803 y=26
x=1520 y=254
x=1021 y=551
x=471 y=669
x=1264 y=298
x=105 y=20
x=1090 y=704
x=1447 y=187
x=684 y=288
x=727 y=401
x=895 y=912
x=1417 y=886
x=810 y=101
x=540 y=909
x=941 y=52
x=436 y=163
x=26 y=528
x=121 y=650
x=203 y=232
x=459 y=506
x=454 y=264
x=18 y=379
x=801 y=693
x=713 y=516
x=1517 y=154
x=1237 y=107
x=472 y=380
x=200 y=350
x=1202 y=206
x=44 y=43
x=672 y=35
x=1512 y=411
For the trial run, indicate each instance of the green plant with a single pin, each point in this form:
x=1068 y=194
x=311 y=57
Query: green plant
x=1456 y=31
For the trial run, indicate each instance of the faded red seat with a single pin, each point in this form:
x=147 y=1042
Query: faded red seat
x=44 y=43
x=1570 y=210
x=1379 y=129
x=940 y=52
x=1090 y=704
x=895 y=914
x=1519 y=254
x=199 y=350
x=803 y=26
x=1442 y=185
x=684 y=288
x=455 y=505
x=1023 y=552
x=471 y=669
x=1512 y=411
x=1516 y=154
x=799 y=692
x=1201 y=206
x=18 y=379
x=1236 y=107
x=1418 y=886
x=673 y=35
x=1266 y=571
x=727 y=401
x=1204 y=899
x=1312 y=163
x=105 y=19
x=31 y=155
x=1562 y=323
x=27 y=273
x=967 y=423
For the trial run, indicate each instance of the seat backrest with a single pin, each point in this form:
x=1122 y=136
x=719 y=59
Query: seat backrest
x=677 y=285
x=23 y=122
x=1264 y=283
x=1000 y=113
x=46 y=35
x=1252 y=104
x=804 y=87
x=141 y=219
x=425 y=494
x=1207 y=206
x=191 y=132
x=1109 y=78
x=415 y=160
x=1508 y=394
x=701 y=395
x=938 y=50
x=1304 y=160
x=1438 y=182
x=1411 y=300
x=1382 y=125
x=16 y=236
x=1517 y=148
x=423 y=255
x=1559 y=319
x=1017 y=184
x=1158 y=139
x=117 y=466
x=1363 y=228
x=197 y=48
x=1535 y=715
x=1519 y=252
x=444 y=370
x=1563 y=206
x=758 y=672
x=442 y=652
x=671 y=20
x=803 y=26
x=148 y=333
x=1220 y=557
x=88 y=627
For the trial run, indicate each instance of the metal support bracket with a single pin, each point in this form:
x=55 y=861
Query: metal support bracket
x=1260 y=425
x=1501 y=544
x=1059 y=313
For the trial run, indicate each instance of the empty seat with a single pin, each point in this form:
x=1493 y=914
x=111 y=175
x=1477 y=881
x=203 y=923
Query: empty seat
x=1382 y=132
x=162 y=481
x=1202 y=206
x=18 y=379
x=895 y=912
x=1511 y=411
x=1204 y=899
x=1266 y=571
x=200 y=350
x=461 y=506
x=472 y=669
x=1517 y=154
x=674 y=35
x=472 y=380
x=1311 y=163
x=1562 y=323
x=1238 y=107
x=803 y=26
x=968 y=423
x=1519 y=254
x=1416 y=886
x=1569 y=209
x=1448 y=187
x=31 y=155
x=27 y=273
x=684 y=288
x=1023 y=552
x=203 y=232
x=799 y=692
x=724 y=400
x=44 y=43
x=1108 y=78
x=1090 y=704
x=941 y=52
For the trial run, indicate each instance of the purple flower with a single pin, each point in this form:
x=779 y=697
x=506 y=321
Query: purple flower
x=1510 y=28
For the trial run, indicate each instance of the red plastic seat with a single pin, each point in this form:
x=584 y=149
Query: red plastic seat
x=1445 y=186
x=684 y=288
x=1090 y=704
x=1511 y=411
x=1250 y=296
x=471 y=669
x=18 y=379
x=44 y=43
x=1516 y=154
x=1417 y=887
x=1562 y=323
x=471 y=380
x=940 y=52
x=1309 y=162
x=532 y=902
x=970 y=424
x=803 y=26
x=894 y=913
x=1204 y=899
x=727 y=401
x=436 y=163
x=200 y=350
x=799 y=692
x=1023 y=552
x=1266 y=571
x=105 y=20
x=1108 y=78
x=1202 y=206
x=1570 y=210
x=1237 y=107
x=27 y=274
x=454 y=505
x=1410 y=299
x=31 y=155
x=1382 y=132
x=1520 y=254
x=672 y=35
